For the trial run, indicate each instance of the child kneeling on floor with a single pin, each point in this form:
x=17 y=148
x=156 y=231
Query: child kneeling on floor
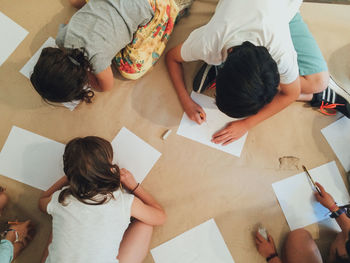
x=133 y=34
x=91 y=212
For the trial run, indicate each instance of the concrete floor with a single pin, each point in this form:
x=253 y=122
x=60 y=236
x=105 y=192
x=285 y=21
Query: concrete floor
x=193 y=182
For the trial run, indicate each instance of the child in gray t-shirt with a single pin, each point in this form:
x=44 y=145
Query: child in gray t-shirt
x=90 y=41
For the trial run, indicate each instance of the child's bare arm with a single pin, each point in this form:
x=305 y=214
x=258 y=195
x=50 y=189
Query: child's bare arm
x=102 y=81
x=45 y=197
x=145 y=208
x=174 y=65
x=235 y=130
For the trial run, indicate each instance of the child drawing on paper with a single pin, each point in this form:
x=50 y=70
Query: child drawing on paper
x=91 y=211
x=260 y=56
x=133 y=34
x=301 y=248
x=16 y=237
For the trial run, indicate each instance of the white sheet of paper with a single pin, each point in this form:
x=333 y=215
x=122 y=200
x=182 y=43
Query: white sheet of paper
x=296 y=195
x=202 y=244
x=11 y=34
x=31 y=159
x=134 y=154
x=27 y=69
x=216 y=120
x=338 y=136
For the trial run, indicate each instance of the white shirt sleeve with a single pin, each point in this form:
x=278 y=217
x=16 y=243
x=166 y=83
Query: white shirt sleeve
x=204 y=44
x=288 y=68
x=53 y=202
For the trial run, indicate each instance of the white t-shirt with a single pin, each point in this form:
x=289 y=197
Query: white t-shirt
x=263 y=23
x=88 y=233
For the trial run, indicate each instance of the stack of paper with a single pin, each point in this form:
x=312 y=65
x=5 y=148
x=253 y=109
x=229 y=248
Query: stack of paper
x=202 y=244
x=216 y=120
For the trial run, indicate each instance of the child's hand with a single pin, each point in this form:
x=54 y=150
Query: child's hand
x=265 y=247
x=25 y=231
x=325 y=198
x=127 y=179
x=195 y=112
x=232 y=132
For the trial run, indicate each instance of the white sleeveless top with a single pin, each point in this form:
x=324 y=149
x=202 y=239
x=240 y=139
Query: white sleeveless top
x=84 y=233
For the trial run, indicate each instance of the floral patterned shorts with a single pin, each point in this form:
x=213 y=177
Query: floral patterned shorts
x=149 y=41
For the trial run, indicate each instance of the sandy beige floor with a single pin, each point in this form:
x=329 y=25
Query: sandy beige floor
x=193 y=182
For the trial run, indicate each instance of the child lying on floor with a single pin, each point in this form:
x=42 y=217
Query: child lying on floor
x=131 y=33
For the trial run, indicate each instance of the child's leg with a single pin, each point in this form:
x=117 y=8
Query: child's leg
x=149 y=41
x=301 y=248
x=135 y=244
x=313 y=83
x=313 y=69
x=46 y=251
x=77 y=3
x=3 y=199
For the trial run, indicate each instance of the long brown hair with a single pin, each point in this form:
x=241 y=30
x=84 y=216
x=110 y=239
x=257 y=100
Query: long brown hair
x=60 y=75
x=89 y=169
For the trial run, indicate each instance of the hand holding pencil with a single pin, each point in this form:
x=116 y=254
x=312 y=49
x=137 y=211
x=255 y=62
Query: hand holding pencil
x=195 y=112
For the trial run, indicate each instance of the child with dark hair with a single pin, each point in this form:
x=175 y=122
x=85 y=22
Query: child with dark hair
x=261 y=57
x=299 y=246
x=91 y=211
x=131 y=33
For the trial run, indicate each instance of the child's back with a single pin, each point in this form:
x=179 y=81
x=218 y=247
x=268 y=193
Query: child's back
x=88 y=233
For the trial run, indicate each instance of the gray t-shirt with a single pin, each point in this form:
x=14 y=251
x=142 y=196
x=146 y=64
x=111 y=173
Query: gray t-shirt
x=103 y=28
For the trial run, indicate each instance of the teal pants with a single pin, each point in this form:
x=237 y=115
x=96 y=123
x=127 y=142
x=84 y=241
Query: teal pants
x=310 y=58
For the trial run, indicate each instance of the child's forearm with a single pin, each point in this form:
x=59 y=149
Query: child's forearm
x=93 y=82
x=56 y=186
x=176 y=74
x=147 y=198
x=279 y=103
x=343 y=221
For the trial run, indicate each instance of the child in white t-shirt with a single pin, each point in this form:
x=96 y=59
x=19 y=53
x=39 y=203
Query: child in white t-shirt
x=91 y=212
x=261 y=57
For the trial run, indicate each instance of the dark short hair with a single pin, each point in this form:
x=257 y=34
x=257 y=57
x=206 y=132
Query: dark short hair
x=61 y=74
x=247 y=82
x=88 y=166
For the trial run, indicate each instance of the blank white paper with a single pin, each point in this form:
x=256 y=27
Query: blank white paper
x=31 y=159
x=338 y=136
x=296 y=196
x=11 y=34
x=216 y=120
x=28 y=68
x=202 y=244
x=134 y=154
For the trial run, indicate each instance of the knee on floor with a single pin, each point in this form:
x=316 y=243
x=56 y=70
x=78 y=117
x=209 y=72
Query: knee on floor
x=319 y=81
x=297 y=235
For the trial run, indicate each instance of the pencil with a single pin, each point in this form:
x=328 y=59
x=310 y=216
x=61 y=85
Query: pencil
x=312 y=181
